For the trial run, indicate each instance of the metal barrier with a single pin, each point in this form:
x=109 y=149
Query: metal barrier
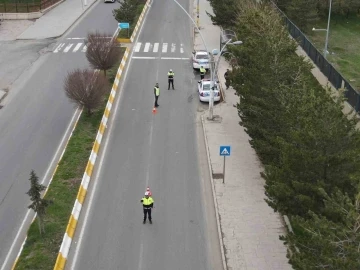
x=351 y=94
x=25 y=7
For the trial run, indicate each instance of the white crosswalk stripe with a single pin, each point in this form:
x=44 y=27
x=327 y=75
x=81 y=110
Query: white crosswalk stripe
x=70 y=47
x=164 y=47
x=77 y=47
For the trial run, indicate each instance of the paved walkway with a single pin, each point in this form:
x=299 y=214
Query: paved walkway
x=250 y=228
x=57 y=21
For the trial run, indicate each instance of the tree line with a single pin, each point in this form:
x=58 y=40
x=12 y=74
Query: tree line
x=303 y=12
x=310 y=149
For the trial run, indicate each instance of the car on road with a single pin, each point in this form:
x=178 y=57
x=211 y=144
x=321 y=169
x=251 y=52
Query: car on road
x=201 y=58
x=204 y=87
x=109 y=1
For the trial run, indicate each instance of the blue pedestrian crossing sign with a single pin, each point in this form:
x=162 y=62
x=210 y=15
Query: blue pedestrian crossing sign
x=225 y=150
x=124 y=25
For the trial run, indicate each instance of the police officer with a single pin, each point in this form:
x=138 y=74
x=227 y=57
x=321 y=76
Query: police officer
x=202 y=72
x=148 y=204
x=157 y=94
x=171 y=79
x=227 y=78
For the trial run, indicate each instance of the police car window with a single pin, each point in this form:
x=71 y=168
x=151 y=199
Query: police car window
x=206 y=87
x=201 y=56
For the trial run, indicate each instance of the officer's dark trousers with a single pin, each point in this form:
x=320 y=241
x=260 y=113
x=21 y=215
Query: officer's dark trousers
x=156 y=101
x=147 y=212
x=202 y=76
x=170 y=81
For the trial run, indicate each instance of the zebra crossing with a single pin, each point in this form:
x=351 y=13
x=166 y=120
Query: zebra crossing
x=70 y=47
x=148 y=47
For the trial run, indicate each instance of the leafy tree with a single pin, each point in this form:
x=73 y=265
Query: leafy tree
x=102 y=51
x=126 y=12
x=86 y=88
x=38 y=204
x=225 y=12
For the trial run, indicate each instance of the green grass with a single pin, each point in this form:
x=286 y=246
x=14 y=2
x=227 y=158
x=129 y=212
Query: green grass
x=344 y=42
x=124 y=32
x=40 y=252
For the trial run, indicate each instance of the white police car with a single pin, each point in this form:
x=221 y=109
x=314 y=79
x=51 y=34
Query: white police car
x=201 y=58
x=204 y=87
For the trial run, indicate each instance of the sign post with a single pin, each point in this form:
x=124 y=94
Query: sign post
x=124 y=25
x=225 y=152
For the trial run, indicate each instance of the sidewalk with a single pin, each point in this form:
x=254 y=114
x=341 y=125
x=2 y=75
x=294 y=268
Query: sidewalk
x=57 y=21
x=250 y=228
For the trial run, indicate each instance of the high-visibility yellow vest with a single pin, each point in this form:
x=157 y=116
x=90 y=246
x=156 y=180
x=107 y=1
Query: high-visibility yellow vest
x=202 y=70
x=171 y=75
x=157 y=91
x=147 y=201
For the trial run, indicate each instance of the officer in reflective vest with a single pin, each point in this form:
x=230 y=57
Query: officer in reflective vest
x=157 y=94
x=148 y=204
x=171 y=79
x=202 y=72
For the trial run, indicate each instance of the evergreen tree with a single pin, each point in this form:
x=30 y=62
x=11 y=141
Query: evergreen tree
x=224 y=12
x=126 y=12
x=38 y=204
x=324 y=244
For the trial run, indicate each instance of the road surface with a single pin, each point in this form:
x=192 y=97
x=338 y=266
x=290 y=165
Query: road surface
x=160 y=151
x=33 y=122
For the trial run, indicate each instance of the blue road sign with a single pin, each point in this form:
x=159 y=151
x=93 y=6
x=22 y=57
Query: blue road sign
x=225 y=150
x=124 y=25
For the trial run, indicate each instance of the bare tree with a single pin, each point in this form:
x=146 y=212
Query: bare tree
x=86 y=88
x=103 y=51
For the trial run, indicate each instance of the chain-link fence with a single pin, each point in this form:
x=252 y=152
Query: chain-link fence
x=25 y=6
x=353 y=96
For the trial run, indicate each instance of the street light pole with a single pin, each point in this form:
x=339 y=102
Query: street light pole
x=198 y=15
x=327 y=30
x=211 y=66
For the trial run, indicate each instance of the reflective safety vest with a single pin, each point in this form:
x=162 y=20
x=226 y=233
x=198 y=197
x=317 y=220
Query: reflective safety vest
x=202 y=70
x=157 y=91
x=171 y=75
x=147 y=202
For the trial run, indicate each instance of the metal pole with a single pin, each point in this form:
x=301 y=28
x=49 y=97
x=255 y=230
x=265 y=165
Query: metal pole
x=85 y=2
x=198 y=15
x=211 y=67
x=224 y=172
x=327 y=30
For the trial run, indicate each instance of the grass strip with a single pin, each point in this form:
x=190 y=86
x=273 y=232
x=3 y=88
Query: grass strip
x=123 y=33
x=344 y=40
x=40 y=252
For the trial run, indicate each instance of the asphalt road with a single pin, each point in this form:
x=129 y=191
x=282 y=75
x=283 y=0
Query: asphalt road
x=33 y=123
x=160 y=151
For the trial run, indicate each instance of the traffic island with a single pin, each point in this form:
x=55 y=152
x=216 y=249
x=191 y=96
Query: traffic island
x=41 y=251
x=127 y=35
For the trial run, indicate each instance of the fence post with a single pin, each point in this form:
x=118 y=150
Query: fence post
x=357 y=103
x=16 y=7
x=27 y=7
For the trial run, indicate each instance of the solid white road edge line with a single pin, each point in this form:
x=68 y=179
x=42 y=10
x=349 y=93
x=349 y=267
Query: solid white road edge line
x=101 y=161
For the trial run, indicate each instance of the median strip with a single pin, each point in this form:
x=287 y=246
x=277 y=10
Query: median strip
x=42 y=251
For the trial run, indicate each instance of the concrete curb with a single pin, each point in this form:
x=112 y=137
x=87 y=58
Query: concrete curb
x=71 y=227
x=214 y=197
x=76 y=20
x=47 y=188
x=138 y=24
